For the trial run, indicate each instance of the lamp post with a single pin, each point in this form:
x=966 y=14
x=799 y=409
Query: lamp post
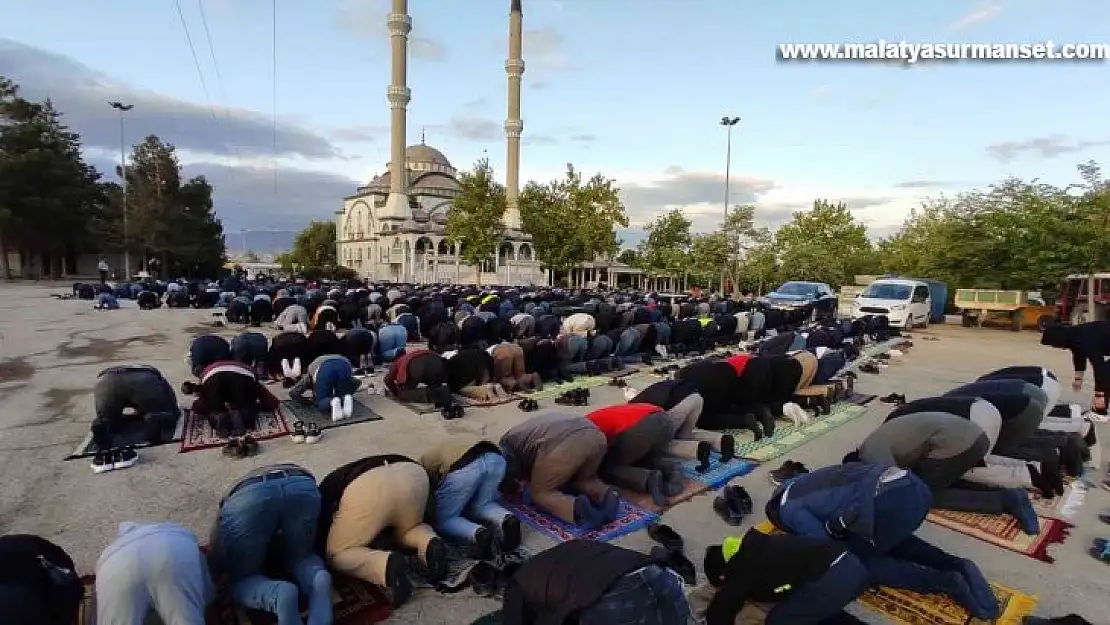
x=123 y=108
x=728 y=123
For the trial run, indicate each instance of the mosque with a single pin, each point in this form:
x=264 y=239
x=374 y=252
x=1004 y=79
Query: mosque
x=393 y=227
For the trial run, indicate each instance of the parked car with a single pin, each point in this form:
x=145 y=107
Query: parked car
x=906 y=303
x=817 y=296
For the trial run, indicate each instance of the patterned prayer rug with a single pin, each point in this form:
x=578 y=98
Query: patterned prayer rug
x=199 y=435
x=474 y=403
x=134 y=437
x=719 y=473
x=632 y=518
x=354 y=602
x=295 y=411
x=788 y=437
x=691 y=489
x=1061 y=506
x=909 y=608
x=1002 y=530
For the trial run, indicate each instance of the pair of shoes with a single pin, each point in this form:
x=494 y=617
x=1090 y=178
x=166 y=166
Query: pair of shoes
x=666 y=536
x=452 y=411
x=342 y=408
x=309 y=434
x=676 y=561
x=788 y=471
x=528 y=405
x=796 y=413
x=733 y=504
x=574 y=397
x=894 y=398
x=869 y=367
x=618 y=382
x=113 y=459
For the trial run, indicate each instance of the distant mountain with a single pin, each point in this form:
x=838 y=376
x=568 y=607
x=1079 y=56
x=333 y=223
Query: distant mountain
x=260 y=241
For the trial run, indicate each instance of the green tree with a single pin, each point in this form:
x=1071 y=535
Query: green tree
x=629 y=257
x=711 y=255
x=314 y=247
x=572 y=221
x=665 y=250
x=759 y=267
x=824 y=244
x=475 y=217
x=251 y=256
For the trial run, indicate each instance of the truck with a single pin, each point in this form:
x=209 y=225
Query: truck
x=1020 y=309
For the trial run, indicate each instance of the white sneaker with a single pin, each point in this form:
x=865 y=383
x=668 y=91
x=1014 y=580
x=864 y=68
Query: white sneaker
x=630 y=393
x=330 y=327
x=795 y=413
x=336 y=409
x=661 y=350
x=301 y=327
x=286 y=369
x=313 y=436
x=296 y=368
x=348 y=406
x=895 y=353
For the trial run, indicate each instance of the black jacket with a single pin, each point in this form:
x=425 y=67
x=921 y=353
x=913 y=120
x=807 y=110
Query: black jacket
x=566 y=579
x=332 y=487
x=666 y=393
x=763 y=569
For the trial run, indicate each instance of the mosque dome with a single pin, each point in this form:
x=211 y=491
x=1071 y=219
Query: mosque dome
x=426 y=154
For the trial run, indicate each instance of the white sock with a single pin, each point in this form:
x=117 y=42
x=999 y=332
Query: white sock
x=296 y=369
x=336 y=409
x=286 y=370
x=348 y=406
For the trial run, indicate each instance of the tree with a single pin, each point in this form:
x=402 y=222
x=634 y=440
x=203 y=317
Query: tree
x=629 y=257
x=824 y=244
x=664 y=250
x=314 y=247
x=572 y=221
x=760 y=265
x=475 y=217
x=251 y=256
x=711 y=254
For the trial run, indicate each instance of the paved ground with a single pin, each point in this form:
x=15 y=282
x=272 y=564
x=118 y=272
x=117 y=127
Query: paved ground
x=51 y=351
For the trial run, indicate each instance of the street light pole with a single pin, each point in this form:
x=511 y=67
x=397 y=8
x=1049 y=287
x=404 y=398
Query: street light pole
x=728 y=123
x=123 y=108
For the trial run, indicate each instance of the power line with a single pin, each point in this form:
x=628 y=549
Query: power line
x=215 y=66
x=196 y=59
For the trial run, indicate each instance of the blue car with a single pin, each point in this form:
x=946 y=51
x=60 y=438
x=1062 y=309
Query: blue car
x=817 y=298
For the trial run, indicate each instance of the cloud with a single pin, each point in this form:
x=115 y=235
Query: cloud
x=367 y=19
x=583 y=138
x=539 y=85
x=923 y=184
x=359 y=134
x=979 y=15
x=82 y=95
x=474 y=128
x=1043 y=147
x=544 y=49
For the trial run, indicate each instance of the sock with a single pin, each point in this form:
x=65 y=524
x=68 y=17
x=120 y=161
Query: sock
x=1016 y=503
x=955 y=586
x=336 y=409
x=286 y=369
x=610 y=507
x=585 y=515
x=348 y=406
x=980 y=587
x=296 y=368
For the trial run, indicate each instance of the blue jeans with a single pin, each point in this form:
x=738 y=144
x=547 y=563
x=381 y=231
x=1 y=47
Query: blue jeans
x=467 y=498
x=248 y=521
x=334 y=378
x=651 y=596
x=600 y=347
x=577 y=346
x=662 y=332
x=812 y=603
x=107 y=301
x=391 y=340
x=251 y=349
x=628 y=346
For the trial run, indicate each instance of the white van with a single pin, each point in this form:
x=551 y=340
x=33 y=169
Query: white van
x=906 y=303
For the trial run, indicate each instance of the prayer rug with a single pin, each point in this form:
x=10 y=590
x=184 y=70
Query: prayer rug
x=474 y=403
x=198 y=435
x=632 y=518
x=691 y=489
x=909 y=608
x=551 y=391
x=295 y=411
x=1061 y=506
x=719 y=473
x=1002 y=530
x=788 y=437
x=133 y=437
x=417 y=407
x=354 y=602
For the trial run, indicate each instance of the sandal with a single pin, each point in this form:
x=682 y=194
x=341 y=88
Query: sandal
x=528 y=405
x=248 y=445
x=233 y=448
x=313 y=433
x=298 y=432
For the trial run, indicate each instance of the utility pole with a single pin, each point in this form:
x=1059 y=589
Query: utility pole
x=123 y=108
x=728 y=123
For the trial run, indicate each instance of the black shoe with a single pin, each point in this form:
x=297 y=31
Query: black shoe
x=483 y=543
x=850 y=383
x=483 y=578
x=1052 y=472
x=894 y=398
x=397 y=579
x=124 y=458
x=739 y=498
x=751 y=423
x=1071 y=455
x=677 y=562
x=787 y=471
x=510 y=533
x=729 y=509
x=869 y=367
x=728 y=447
x=528 y=405
x=654 y=487
x=618 y=382
x=666 y=536
x=435 y=558
x=1090 y=439
x=766 y=419
x=705 y=452
x=565 y=399
x=102 y=462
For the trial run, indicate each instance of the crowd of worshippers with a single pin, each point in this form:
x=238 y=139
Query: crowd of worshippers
x=839 y=530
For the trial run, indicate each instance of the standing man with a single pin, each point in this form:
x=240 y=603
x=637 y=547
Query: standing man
x=102 y=267
x=1088 y=342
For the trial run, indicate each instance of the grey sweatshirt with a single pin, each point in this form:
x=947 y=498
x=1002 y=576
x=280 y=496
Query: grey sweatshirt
x=526 y=441
x=911 y=438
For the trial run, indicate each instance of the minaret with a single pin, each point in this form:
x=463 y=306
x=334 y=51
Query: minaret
x=400 y=24
x=514 y=67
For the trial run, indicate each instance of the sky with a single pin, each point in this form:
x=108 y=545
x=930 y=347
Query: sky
x=287 y=116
